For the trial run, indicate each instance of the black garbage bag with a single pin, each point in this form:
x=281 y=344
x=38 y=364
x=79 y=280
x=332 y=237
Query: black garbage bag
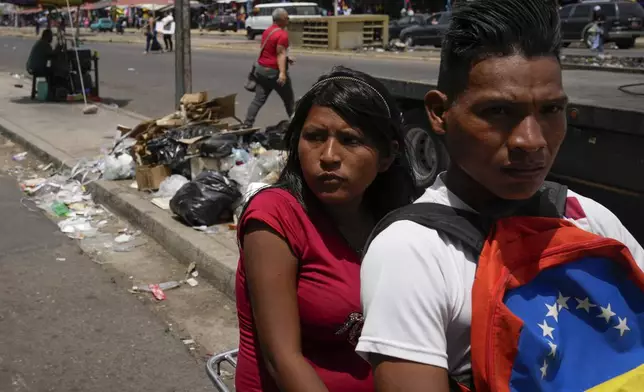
x=164 y=151
x=273 y=136
x=206 y=200
x=218 y=146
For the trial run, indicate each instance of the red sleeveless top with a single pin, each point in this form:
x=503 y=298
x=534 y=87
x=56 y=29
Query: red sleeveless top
x=328 y=296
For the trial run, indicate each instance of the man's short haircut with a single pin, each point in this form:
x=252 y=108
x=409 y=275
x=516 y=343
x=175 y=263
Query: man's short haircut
x=482 y=29
x=279 y=14
x=47 y=34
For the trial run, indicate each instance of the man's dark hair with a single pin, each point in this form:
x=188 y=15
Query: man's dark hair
x=482 y=29
x=47 y=35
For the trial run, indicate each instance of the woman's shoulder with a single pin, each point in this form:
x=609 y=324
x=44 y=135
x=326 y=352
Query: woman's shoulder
x=273 y=198
x=281 y=211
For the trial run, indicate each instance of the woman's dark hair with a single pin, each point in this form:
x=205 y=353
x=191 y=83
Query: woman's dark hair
x=363 y=102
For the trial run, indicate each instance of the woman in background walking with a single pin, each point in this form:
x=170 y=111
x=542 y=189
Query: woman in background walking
x=168 y=31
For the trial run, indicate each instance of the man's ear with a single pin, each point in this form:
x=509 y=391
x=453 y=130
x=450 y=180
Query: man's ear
x=386 y=162
x=435 y=105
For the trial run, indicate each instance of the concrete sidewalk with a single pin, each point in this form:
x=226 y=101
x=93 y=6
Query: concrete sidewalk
x=60 y=133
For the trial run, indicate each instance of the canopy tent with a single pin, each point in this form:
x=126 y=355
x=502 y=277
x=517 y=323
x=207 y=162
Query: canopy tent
x=49 y=3
x=144 y=3
x=29 y=11
x=98 y=5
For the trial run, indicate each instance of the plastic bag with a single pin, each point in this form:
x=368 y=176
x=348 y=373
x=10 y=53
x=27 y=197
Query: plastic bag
x=205 y=201
x=118 y=168
x=171 y=185
x=257 y=169
x=218 y=146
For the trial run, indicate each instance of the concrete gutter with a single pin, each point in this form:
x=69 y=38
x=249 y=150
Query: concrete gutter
x=184 y=243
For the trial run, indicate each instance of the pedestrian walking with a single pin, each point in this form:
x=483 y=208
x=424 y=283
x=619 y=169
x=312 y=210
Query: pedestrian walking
x=202 y=22
x=271 y=69
x=597 y=31
x=150 y=31
x=168 y=31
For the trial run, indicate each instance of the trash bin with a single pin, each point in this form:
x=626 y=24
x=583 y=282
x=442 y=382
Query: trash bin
x=42 y=89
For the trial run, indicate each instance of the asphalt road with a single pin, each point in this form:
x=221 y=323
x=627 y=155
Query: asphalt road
x=65 y=326
x=145 y=83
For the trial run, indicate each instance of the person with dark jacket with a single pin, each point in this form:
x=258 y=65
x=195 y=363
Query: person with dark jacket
x=39 y=56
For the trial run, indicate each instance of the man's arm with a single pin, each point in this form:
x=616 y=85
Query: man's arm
x=396 y=375
x=281 y=63
x=407 y=307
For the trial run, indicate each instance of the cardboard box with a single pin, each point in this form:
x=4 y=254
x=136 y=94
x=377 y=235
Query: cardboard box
x=151 y=177
x=198 y=164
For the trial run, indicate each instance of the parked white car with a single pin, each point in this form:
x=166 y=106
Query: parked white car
x=262 y=16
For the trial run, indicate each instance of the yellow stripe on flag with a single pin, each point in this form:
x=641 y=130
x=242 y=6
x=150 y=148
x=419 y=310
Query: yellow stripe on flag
x=632 y=381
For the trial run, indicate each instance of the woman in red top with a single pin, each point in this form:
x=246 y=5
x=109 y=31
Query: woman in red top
x=298 y=280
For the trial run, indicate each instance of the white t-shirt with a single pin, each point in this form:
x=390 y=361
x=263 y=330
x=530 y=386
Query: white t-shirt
x=416 y=286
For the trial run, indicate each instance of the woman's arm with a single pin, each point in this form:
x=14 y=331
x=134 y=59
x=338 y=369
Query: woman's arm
x=271 y=275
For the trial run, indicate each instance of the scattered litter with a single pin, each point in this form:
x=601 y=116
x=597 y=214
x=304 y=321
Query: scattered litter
x=131 y=69
x=20 y=156
x=45 y=167
x=207 y=229
x=123 y=238
x=18 y=85
x=15 y=76
x=192 y=282
x=188 y=341
x=157 y=290
x=60 y=209
x=77 y=228
x=134 y=185
x=162 y=202
x=60 y=259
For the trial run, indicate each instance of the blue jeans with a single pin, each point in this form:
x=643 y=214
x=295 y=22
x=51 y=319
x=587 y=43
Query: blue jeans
x=150 y=38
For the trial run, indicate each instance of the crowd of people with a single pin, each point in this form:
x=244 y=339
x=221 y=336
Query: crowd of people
x=329 y=299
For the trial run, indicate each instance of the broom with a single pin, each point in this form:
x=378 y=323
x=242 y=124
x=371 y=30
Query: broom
x=87 y=109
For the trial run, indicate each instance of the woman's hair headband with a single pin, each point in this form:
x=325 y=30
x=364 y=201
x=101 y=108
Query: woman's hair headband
x=362 y=82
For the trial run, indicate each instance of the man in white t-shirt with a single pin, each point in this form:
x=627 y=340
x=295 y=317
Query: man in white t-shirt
x=500 y=106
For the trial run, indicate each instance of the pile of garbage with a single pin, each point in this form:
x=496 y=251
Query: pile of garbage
x=605 y=61
x=200 y=166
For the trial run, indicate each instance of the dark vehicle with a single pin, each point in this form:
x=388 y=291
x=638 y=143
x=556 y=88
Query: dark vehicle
x=623 y=25
x=430 y=32
x=396 y=26
x=222 y=23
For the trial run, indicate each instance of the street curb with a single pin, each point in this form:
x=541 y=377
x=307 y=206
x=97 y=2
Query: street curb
x=184 y=243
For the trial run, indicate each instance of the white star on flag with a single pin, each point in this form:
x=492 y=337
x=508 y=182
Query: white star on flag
x=562 y=301
x=607 y=313
x=553 y=311
x=622 y=327
x=547 y=330
x=544 y=369
x=553 y=349
x=585 y=304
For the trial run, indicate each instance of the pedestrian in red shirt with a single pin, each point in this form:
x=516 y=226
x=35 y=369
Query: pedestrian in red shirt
x=297 y=284
x=271 y=68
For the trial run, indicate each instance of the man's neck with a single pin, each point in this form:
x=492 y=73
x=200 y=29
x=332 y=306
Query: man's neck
x=467 y=189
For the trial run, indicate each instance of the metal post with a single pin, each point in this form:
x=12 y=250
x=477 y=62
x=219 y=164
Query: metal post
x=183 y=60
x=335 y=7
